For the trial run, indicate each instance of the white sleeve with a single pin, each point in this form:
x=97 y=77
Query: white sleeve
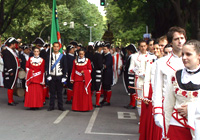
x=153 y=71
x=132 y=64
x=119 y=62
x=158 y=86
x=169 y=103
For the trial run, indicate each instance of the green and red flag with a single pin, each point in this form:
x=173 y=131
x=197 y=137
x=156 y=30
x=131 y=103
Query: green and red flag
x=55 y=31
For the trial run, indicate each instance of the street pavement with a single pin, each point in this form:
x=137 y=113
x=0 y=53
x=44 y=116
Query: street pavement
x=107 y=123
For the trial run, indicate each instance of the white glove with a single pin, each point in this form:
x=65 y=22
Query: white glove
x=141 y=75
x=63 y=80
x=49 y=78
x=159 y=120
x=135 y=69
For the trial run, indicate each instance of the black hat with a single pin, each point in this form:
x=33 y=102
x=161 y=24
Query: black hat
x=10 y=40
x=80 y=45
x=69 y=47
x=74 y=43
x=39 y=41
x=131 y=48
x=98 y=44
x=25 y=47
x=108 y=45
x=46 y=45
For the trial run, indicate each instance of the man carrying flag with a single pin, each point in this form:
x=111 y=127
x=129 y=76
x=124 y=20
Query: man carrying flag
x=56 y=64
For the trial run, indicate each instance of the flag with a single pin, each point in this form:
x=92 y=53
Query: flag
x=55 y=31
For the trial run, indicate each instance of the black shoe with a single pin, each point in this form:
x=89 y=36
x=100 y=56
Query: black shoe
x=68 y=102
x=16 y=103
x=12 y=104
x=130 y=107
x=97 y=106
x=50 y=109
x=61 y=109
x=102 y=102
x=106 y=104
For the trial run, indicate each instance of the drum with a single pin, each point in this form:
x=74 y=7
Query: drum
x=18 y=91
x=21 y=74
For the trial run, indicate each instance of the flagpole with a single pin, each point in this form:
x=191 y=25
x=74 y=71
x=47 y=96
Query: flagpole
x=50 y=57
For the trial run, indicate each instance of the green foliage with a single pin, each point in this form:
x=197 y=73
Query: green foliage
x=35 y=20
x=127 y=20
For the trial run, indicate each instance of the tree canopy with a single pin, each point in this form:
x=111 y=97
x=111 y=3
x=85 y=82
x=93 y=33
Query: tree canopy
x=129 y=19
x=28 y=19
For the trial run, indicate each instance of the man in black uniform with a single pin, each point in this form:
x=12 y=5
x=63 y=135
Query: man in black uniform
x=107 y=79
x=70 y=59
x=128 y=78
x=56 y=76
x=24 y=56
x=97 y=71
x=11 y=66
x=76 y=46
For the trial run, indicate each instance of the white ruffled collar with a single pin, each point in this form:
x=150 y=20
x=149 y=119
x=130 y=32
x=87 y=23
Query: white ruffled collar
x=35 y=59
x=188 y=77
x=81 y=60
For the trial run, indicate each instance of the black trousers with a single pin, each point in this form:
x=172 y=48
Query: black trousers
x=106 y=87
x=56 y=87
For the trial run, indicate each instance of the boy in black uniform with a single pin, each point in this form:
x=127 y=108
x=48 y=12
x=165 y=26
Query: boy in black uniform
x=70 y=59
x=56 y=75
x=107 y=80
x=128 y=78
x=97 y=71
x=11 y=66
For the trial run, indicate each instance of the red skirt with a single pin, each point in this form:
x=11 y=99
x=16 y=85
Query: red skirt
x=81 y=100
x=34 y=96
x=148 y=129
x=179 y=133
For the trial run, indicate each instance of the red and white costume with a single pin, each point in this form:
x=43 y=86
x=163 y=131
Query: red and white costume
x=165 y=68
x=138 y=65
x=148 y=129
x=34 y=80
x=82 y=100
x=117 y=64
x=184 y=90
x=194 y=117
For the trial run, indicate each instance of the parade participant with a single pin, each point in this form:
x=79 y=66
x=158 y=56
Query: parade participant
x=56 y=69
x=138 y=67
x=150 y=47
x=107 y=78
x=75 y=44
x=90 y=53
x=162 y=41
x=11 y=66
x=157 y=51
x=128 y=78
x=148 y=128
x=24 y=56
x=35 y=68
x=97 y=71
x=70 y=59
x=167 y=49
x=185 y=88
x=39 y=42
x=165 y=68
x=117 y=65
x=45 y=88
x=1 y=70
x=81 y=78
